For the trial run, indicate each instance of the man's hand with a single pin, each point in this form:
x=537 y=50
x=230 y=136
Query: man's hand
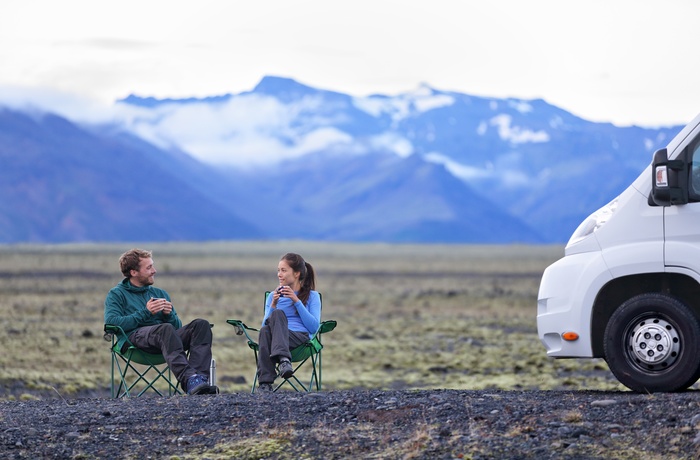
x=156 y=306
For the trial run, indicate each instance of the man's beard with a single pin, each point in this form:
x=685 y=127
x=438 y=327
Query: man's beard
x=145 y=281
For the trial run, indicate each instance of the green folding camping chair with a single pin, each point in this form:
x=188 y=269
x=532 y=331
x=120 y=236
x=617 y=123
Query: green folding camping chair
x=307 y=352
x=130 y=380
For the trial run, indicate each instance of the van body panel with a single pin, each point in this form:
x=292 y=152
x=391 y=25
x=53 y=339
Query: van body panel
x=632 y=241
x=683 y=237
x=566 y=295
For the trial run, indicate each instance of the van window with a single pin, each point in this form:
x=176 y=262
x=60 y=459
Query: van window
x=695 y=174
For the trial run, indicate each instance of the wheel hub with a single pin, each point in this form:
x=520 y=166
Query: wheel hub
x=655 y=342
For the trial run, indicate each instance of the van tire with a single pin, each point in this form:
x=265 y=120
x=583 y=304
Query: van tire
x=652 y=344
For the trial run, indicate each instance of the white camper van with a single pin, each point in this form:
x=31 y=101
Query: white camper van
x=628 y=287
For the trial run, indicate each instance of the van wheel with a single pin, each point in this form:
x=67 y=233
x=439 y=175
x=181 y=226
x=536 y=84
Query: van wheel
x=652 y=343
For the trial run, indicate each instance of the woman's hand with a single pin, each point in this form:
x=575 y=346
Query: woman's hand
x=275 y=297
x=286 y=291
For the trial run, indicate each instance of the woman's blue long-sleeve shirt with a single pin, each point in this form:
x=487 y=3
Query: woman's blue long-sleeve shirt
x=300 y=317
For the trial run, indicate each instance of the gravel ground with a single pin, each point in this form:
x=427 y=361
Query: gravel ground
x=358 y=424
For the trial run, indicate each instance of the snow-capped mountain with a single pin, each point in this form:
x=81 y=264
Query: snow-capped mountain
x=291 y=161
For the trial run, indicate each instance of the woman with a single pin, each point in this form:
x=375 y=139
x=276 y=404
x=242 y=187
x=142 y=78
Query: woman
x=292 y=316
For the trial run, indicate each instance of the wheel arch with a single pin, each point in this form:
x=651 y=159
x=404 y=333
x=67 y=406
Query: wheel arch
x=618 y=290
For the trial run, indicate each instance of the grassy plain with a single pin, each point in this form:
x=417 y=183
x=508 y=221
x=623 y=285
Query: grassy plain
x=409 y=316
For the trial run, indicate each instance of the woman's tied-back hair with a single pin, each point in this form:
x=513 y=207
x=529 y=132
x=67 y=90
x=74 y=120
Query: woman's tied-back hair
x=307 y=277
x=131 y=260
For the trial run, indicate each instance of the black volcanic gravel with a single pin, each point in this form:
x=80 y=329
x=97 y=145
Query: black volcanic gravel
x=358 y=424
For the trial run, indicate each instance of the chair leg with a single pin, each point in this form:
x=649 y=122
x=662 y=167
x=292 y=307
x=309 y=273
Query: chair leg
x=124 y=389
x=290 y=381
x=299 y=387
x=255 y=379
x=314 y=375
x=149 y=383
x=111 y=386
x=318 y=379
x=172 y=389
x=293 y=381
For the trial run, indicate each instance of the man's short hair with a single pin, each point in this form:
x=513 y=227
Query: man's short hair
x=131 y=260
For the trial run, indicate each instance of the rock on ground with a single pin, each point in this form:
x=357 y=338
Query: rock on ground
x=358 y=424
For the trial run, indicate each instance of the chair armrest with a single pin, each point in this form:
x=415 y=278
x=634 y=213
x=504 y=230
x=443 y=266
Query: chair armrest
x=241 y=329
x=113 y=332
x=325 y=326
x=111 y=329
x=237 y=323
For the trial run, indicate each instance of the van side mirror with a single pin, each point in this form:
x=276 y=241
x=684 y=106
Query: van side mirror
x=669 y=183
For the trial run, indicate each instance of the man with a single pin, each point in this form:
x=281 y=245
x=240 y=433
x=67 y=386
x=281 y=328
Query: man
x=148 y=318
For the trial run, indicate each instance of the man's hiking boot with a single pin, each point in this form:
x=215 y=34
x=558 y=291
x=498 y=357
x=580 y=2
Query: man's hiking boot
x=199 y=385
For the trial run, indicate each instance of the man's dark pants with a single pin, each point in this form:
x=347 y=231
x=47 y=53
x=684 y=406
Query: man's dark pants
x=172 y=344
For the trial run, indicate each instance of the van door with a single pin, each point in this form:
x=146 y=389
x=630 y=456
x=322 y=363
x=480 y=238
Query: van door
x=682 y=222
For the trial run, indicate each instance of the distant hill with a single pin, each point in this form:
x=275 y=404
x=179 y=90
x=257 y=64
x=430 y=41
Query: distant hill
x=61 y=183
x=286 y=160
x=380 y=197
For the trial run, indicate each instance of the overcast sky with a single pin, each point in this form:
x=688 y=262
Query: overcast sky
x=623 y=61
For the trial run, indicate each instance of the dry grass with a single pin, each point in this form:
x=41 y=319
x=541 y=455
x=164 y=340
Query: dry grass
x=410 y=316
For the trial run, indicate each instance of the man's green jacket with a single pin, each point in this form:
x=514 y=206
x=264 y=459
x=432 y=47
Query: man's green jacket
x=125 y=306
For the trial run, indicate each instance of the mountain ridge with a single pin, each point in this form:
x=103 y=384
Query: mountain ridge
x=424 y=166
x=60 y=183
